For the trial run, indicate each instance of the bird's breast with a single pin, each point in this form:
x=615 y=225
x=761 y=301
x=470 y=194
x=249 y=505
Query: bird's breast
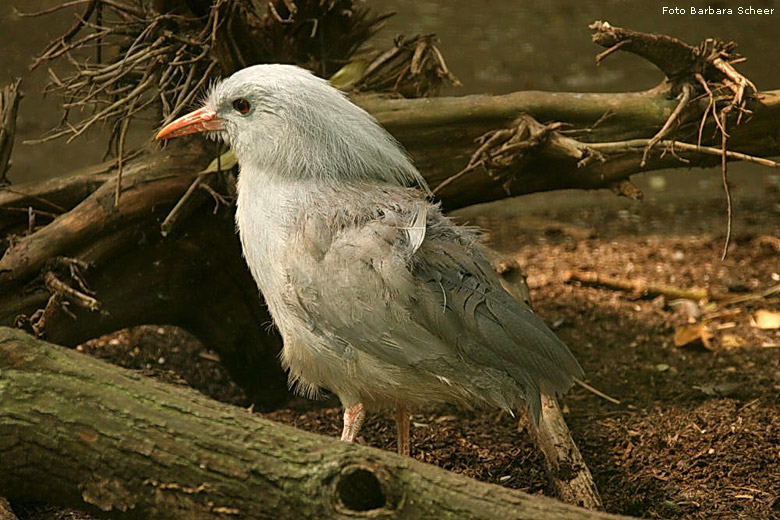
x=263 y=217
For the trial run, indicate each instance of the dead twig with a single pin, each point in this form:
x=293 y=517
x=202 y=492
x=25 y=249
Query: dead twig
x=75 y=268
x=738 y=83
x=413 y=68
x=711 y=108
x=30 y=209
x=639 y=287
x=670 y=292
x=121 y=150
x=600 y=56
x=183 y=204
x=503 y=152
x=596 y=391
x=685 y=98
x=62 y=295
x=166 y=58
x=724 y=176
x=775 y=289
x=634 y=145
x=674 y=57
x=65 y=291
x=37 y=322
x=65 y=38
x=569 y=475
x=218 y=197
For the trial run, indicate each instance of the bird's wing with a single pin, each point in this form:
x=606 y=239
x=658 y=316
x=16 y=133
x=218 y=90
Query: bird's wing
x=358 y=288
x=489 y=326
x=427 y=300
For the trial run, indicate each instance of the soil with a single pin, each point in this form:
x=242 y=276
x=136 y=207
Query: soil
x=697 y=430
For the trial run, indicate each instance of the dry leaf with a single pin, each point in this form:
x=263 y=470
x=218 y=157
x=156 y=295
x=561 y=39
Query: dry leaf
x=766 y=320
x=349 y=74
x=693 y=335
x=224 y=162
x=731 y=341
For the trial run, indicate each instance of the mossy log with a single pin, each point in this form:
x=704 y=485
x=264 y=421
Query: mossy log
x=79 y=432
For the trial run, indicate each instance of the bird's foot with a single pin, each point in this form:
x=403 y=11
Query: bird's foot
x=353 y=419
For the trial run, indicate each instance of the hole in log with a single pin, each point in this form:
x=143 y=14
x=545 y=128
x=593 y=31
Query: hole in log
x=360 y=490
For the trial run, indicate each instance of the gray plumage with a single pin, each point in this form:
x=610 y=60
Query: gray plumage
x=378 y=296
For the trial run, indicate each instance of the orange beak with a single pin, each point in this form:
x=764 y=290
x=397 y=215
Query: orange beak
x=201 y=120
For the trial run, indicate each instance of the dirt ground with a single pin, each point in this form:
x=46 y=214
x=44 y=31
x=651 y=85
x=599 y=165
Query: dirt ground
x=697 y=430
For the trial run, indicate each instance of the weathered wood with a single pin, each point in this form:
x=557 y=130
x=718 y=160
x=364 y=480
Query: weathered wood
x=58 y=194
x=196 y=280
x=76 y=431
x=9 y=105
x=440 y=134
x=156 y=180
x=567 y=471
x=674 y=57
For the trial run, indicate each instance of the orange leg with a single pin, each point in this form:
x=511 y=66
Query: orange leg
x=353 y=419
x=402 y=428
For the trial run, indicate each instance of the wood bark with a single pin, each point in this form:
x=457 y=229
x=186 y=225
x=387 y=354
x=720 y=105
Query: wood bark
x=77 y=431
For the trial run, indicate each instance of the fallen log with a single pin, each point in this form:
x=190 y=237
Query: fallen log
x=441 y=133
x=78 y=432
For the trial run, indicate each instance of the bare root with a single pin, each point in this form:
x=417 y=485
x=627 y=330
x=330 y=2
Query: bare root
x=9 y=105
x=146 y=59
x=413 y=68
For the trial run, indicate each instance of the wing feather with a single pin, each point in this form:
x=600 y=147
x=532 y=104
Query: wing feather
x=425 y=298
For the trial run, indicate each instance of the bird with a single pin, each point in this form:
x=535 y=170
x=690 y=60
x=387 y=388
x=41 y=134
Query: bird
x=379 y=297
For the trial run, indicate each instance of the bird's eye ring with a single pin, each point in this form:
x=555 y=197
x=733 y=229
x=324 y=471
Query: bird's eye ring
x=241 y=105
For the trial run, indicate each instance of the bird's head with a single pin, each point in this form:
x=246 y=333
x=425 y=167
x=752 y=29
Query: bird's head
x=281 y=120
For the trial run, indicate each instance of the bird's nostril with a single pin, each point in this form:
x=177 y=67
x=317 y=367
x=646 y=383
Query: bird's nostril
x=360 y=490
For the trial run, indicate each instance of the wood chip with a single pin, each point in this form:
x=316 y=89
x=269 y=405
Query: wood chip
x=766 y=320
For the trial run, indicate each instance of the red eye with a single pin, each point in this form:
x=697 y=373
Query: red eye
x=241 y=105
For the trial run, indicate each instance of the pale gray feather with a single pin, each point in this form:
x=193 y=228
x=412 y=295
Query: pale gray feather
x=432 y=317
x=378 y=297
